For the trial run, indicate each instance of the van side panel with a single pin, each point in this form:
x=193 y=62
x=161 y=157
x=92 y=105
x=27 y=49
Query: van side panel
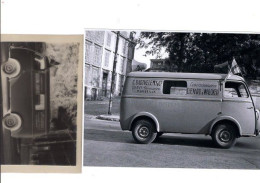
x=189 y=113
x=241 y=112
x=180 y=116
x=199 y=114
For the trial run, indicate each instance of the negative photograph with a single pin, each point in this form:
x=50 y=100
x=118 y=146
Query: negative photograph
x=41 y=94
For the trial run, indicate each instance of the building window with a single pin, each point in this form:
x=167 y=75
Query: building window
x=97 y=55
x=108 y=41
x=107 y=58
x=125 y=48
x=87 y=75
x=95 y=77
x=90 y=35
x=99 y=37
x=120 y=45
x=88 y=51
x=122 y=64
x=175 y=87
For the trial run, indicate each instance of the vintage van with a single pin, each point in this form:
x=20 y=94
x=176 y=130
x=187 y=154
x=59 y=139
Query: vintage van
x=25 y=93
x=154 y=103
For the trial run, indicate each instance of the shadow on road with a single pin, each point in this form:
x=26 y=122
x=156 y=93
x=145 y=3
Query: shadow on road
x=126 y=137
x=185 y=141
x=246 y=145
x=107 y=136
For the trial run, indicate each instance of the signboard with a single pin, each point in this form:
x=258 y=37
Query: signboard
x=210 y=88
x=147 y=86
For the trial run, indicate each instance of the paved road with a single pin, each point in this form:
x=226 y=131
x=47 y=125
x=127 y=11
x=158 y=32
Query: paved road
x=106 y=145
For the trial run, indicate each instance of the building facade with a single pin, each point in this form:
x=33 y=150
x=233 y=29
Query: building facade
x=100 y=47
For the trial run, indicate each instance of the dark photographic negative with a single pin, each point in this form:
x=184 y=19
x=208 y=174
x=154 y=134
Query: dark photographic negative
x=39 y=111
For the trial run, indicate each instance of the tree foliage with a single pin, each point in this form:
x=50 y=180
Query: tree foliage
x=200 y=52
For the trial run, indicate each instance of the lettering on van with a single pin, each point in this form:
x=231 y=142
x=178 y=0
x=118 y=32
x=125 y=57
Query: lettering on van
x=148 y=86
x=203 y=88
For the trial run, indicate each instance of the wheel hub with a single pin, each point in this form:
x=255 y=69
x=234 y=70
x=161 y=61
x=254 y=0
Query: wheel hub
x=9 y=68
x=10 y=121
x=225 y=136
x=143 y=131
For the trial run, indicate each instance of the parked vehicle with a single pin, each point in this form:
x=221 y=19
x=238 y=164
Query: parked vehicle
x=154 y=103
x=25 y=88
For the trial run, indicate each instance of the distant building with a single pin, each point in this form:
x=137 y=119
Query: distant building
x=162 y=65
x=99 y=59
x=159 y=65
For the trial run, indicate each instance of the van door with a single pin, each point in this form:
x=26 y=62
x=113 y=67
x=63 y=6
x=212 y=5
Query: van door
x=202 y=105
x=191 y=106
x=238 y=104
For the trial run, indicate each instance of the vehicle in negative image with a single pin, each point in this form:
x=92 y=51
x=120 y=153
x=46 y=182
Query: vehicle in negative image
x=218 y=105
x=25 y=93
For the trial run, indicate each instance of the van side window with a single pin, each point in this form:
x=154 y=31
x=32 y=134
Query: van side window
x=175 y=87
x=235 y=90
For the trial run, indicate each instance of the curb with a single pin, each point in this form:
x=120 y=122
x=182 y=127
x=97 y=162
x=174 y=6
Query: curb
x=108 y=117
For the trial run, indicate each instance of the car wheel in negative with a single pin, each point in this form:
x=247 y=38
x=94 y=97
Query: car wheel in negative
x=224 y=135
x=11 y=68
x=12 y=122
x=144 y=131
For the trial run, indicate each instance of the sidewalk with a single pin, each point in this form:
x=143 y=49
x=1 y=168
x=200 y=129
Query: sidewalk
x=103 y=117
x=108 y=117
x=99 y=109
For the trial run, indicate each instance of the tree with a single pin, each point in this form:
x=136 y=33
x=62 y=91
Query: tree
x=200 y=52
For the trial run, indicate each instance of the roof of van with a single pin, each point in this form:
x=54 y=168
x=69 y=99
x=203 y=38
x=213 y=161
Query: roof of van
x=183 y=75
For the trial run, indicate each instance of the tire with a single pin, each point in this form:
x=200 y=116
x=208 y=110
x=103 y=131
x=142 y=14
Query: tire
x=144 y=131
x=11 y=68
x=159 y=134
x=12 y=122
x=224 y=136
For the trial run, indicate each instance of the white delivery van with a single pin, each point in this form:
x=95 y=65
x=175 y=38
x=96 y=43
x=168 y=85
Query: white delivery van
x=154 y=103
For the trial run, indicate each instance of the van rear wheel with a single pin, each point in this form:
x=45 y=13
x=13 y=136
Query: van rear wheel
x=11 y=68
x=12 y=122
x=144 y=131
x=159 y=134
x=224 y=136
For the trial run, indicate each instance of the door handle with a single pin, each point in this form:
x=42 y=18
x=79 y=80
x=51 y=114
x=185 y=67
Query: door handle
x=250 y=107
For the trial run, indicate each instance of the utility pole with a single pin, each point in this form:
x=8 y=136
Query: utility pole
x=112 y=87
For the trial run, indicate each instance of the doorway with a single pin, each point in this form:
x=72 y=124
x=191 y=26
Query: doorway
x=104 y=84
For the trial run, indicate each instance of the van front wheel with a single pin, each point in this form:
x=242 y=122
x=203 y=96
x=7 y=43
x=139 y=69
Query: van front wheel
x=144 y=132
x=224 y=136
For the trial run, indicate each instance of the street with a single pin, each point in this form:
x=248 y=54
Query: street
x=105 y=144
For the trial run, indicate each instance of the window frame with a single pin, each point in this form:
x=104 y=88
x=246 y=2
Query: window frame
x=169 y=94
x=237 y=98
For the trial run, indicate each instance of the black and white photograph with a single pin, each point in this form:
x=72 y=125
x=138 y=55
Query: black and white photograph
x=165 y=99
x=41 y=89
